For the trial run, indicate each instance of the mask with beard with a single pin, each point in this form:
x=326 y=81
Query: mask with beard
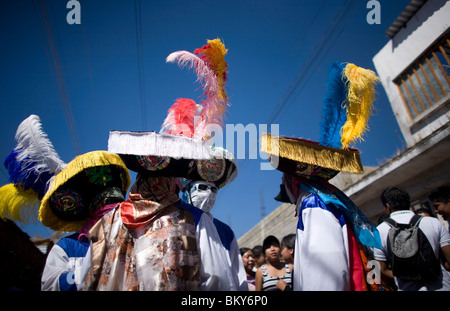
x=203 y=195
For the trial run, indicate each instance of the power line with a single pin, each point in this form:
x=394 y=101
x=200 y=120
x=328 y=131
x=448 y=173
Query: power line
x=316 y=56
x=312 y=58
x=47 y=36
x=297 y=47
x=138 y=22
x=91 y=83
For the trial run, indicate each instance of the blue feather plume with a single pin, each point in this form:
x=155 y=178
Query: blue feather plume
x=334 y=112
x=22 y=173
x=34 y=161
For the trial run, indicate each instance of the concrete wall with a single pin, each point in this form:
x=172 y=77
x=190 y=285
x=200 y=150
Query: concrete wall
x=280 y=222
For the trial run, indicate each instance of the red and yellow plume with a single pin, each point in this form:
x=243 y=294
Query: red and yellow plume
x=211 y=69
x=213 y=54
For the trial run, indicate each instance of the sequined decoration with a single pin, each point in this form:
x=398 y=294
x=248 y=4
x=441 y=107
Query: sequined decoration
x=153 y=163
x=211 y=170
x=99 y=175
x=67 y=203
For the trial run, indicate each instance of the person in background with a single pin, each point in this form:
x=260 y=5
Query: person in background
x=274 y=269
x=260 y=259
x=287 y=248
x=248 y=259
x=287 y=253
x=423 y=212
x=441 y=201
x=397 y=206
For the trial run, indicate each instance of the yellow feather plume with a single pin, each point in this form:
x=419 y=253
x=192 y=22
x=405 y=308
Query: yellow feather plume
x=18 y=204
x=361 y=94
x=216 y=53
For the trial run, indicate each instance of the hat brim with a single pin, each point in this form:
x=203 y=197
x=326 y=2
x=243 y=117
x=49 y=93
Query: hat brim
x=157 y=144
x=157 y=154
x=308 y=158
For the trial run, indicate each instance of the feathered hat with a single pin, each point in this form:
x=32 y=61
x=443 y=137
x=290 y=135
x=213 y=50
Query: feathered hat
x=309 y=165
x=31 y=165
x=346 y=109
x=65 y=206
x=186 y=118
x=181 y=146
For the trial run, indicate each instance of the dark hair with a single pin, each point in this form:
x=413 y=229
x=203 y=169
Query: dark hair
x=441 y=194
x=288 y=241
x=257 y=251
x=268 y=242
x=397 y=198
x=423 y=210
x=243 y=250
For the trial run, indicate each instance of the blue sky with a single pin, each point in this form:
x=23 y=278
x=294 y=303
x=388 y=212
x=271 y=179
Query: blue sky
x=85 y=80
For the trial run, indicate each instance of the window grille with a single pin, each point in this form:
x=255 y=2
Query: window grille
x=427 y=81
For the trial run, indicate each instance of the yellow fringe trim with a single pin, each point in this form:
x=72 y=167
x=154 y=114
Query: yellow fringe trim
x=77 y=165
x=18 y=204
x=361 y=94
x=302 y=151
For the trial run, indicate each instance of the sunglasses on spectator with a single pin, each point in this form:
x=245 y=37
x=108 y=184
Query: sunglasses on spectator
x=205 y=187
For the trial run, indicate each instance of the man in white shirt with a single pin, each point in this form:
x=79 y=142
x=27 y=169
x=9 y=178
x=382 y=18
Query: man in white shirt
x=396 y=202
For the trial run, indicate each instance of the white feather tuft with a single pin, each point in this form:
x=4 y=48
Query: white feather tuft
x=34 y=147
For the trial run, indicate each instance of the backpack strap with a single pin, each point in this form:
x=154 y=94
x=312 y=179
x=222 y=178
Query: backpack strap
x=414 y=222
x=391 y=222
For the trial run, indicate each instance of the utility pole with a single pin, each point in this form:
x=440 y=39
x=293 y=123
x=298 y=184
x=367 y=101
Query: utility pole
x=263 y=213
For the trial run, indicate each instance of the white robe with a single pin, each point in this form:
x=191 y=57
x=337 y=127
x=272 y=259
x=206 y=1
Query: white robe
x=66 y=268
x=221 y=267
x=321 y=259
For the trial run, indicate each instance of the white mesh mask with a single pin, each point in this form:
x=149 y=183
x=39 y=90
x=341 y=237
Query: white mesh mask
x=202 y=195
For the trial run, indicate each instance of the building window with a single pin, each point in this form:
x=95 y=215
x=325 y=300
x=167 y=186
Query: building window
x=427 y=81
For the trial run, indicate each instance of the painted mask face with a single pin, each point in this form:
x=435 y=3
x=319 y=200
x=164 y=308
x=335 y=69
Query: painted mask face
x=67 y=204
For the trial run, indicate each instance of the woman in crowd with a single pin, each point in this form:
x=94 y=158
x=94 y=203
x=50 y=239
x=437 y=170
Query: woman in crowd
x=274 y=269
x=248 y=259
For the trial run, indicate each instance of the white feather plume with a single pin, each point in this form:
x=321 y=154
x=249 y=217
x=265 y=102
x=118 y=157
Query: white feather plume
x=205 y=75
x=36 y=147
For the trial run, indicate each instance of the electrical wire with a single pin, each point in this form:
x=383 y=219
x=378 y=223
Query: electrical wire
x=314 y=60
x=40 y=10
x=140 y=57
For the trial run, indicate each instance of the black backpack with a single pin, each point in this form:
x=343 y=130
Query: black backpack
x=410 y=253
